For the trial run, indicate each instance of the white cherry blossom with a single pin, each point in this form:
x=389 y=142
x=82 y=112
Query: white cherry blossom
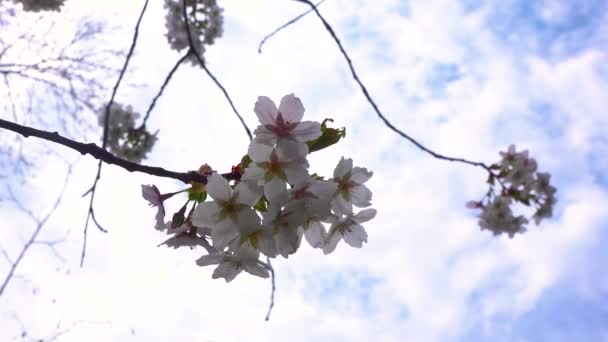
x=229 y=210
x=351 y=190
x=230 y=265
x=272 y=167
x=284 y=224
x=349 y=229
x=284 y=122
x=151 y=194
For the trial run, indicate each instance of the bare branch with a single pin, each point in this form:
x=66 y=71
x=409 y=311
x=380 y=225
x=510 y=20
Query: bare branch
x=40 y=225
x=287 y=24
x=91 y=212
x=392 y=127
x=202 y=64
x=272 y=290
x=162 y=88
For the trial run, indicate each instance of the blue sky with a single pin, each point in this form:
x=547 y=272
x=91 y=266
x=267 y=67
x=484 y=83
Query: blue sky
x=466 y=78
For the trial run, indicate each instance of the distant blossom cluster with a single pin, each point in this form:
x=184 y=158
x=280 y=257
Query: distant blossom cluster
x=274 y=201
x=517 y=175
x=206 y=24
x=124 y=140
x=41 y=5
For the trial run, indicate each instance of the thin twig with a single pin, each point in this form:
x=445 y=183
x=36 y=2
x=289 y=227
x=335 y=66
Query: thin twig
x=35 y=233
x=162 y=88
x=273 y=288
x=91 y=213
x=215 y=80
x=287 y=24
x=375 y=106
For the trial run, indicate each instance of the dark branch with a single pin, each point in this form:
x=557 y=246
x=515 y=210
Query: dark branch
x=272 y=290
x=91 y=213
x=287 y=24
x=162 y=88
x=101 y=154
x=373 y=103
x=202 y=64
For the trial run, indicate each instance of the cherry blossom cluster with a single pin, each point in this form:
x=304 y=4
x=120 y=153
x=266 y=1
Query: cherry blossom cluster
x=124 y=140
x=274 y=200
x=520 y=181
x=41 y=5
x=206 y=24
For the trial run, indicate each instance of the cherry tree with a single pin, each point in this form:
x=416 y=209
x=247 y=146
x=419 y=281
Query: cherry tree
x=272 y=198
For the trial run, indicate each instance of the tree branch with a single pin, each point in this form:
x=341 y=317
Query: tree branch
x=213 y=78
x=91 y=191
x=392 y=127
x=103 y=155
x=287 y=24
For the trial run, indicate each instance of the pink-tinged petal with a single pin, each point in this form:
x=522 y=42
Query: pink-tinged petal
x=222 y=234
x=340 y=206
x=274 y=188
x=211 y=259
x=206 y=214
x=151 y=194
x=344 y=166
x=264 y=136
x=332 y=241
x=295 y=174
x=218 y=187
x=248 y=192
x=315 y=234
x=291 y=150
x=306 y=131
x=361 y=196
x=266 y=110
x=259 y=152
x=365 y=215
x=226 y=270
x=291 y=108
x=160 y=218
x=360 y=175
x=355 y=236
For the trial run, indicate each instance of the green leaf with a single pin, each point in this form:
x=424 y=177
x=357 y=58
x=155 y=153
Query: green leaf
x=329 y=136
x=262 y=205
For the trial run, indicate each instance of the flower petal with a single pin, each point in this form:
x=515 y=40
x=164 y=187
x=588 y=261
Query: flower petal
x=296 y=173
x=274 y=188
x=248 y=192
x=151 y=194
x=332 y=241
x=256 y=270
x=211 y=259
x=227 y=270
x=315 y=234
x=218 y=187
x=206 y=214
x=291 y=108
x=264 y=136
x=365 y=215
x=355 y=236
x=266 y=110
x=343 y=167
x=306 y=131
x=361 y=196
x=360 y=175
x=222 y=234
x=259 y=152
x=291 y=150
x=340 y=206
